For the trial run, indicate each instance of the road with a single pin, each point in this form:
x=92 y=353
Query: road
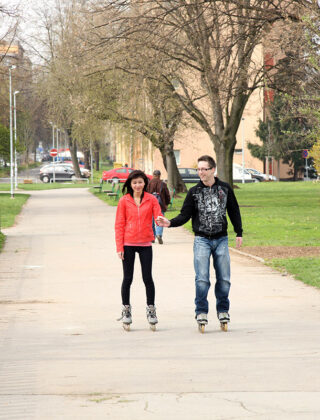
x=32 y=173
x=63 y=355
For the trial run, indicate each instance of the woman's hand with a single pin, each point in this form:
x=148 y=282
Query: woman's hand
x=121 y=255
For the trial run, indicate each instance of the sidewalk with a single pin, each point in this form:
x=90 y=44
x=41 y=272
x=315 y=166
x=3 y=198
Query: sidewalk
x=63 y=355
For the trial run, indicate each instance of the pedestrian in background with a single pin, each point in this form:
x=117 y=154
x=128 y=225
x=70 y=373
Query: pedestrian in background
x=134 y=234
x=159 y=189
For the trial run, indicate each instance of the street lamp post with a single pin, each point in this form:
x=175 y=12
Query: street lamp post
x=242 y=150
x=15 y=139
x=11 y=134
x=91 y=161
x=53 y=159
x=58 y=131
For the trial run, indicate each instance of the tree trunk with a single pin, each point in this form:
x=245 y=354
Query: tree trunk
x=169 y=161
x=73 y=151
x=96 y=155
x=87 y=159
x=96 y=159
x=224 y=155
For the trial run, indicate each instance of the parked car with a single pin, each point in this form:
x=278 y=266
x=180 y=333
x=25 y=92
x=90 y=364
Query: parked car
x=61 y=173
x=85 y=173
x=189 y=174
x=312 y=173
x=118 y=174
x=239 y=175
x=45 y=157
x=256 y=173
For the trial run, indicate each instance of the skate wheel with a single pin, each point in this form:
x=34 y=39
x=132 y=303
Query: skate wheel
x=126 y=327
x=153 y=327
x=201 y=328
x=224 y=326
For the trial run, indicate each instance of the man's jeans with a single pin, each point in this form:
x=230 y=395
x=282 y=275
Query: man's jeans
x=203 y=248
x=157 y=230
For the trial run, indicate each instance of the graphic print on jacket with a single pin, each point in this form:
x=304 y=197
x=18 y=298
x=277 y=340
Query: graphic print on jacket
x=212 y=206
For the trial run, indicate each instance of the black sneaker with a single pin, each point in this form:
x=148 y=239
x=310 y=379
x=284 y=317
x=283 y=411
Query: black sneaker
x=160 y=239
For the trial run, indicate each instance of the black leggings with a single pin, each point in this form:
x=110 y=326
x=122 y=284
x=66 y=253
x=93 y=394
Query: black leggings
x=145 y=255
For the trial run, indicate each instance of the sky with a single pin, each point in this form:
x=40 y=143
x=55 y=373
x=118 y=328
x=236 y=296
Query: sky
x=29 y=26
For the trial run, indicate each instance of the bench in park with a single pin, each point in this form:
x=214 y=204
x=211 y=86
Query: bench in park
x=99 y=187
x=114 y=191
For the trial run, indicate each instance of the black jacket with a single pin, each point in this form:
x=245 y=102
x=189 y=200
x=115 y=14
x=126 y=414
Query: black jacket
x=207 y=206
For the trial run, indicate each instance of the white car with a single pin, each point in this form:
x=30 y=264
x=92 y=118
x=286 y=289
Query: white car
x=264 y=176
x=239 y=175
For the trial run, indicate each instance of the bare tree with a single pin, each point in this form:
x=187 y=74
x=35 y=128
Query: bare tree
x=143 y=100
x=215 y=47
x=9 y=23
x=62 y=71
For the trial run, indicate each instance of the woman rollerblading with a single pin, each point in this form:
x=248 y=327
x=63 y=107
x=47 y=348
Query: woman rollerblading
x=134 y=234
x=152 y=317
x=126 y=317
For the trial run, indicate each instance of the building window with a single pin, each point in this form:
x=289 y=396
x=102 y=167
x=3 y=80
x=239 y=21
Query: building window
x=177 y=156
x=237 y=151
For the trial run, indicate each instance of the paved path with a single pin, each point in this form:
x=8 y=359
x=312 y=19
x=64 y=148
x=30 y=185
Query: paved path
x=64 y=356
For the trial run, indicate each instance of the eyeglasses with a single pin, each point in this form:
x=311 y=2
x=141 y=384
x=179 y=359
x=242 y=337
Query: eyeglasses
x=203 y=169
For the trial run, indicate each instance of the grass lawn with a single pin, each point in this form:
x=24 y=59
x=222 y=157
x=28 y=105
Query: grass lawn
x=2 y=239
x=41 y=186
x=280 y=213
x=9 y=209
x=305 y=269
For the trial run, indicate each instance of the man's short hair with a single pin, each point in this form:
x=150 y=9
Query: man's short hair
x=209 y=159
x=156 y=172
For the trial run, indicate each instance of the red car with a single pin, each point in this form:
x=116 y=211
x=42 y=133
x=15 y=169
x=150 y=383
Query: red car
x=118 y=174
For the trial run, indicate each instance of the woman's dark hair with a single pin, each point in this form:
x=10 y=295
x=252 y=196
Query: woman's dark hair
x=127 y=189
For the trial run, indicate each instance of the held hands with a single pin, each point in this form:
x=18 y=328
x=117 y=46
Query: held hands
x=238 y=242
x=162 y=221
x=121 y=255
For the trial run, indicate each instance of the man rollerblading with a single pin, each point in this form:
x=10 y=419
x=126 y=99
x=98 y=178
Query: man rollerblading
x=224 y=319
x=202 y=320
x=208 y=204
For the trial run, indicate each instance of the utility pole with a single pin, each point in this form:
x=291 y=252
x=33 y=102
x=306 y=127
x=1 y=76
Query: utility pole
x=243 y=180
x=11 y=134
x=15 y=140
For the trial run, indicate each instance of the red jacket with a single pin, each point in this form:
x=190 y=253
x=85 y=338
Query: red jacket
x=134 y=224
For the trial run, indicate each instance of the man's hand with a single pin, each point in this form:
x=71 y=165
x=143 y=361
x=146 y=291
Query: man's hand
x=162 y=221
x=238 y=242
x=121 y=255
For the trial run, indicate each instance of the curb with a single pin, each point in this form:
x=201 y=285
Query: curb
x=245 y=254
